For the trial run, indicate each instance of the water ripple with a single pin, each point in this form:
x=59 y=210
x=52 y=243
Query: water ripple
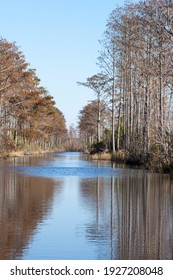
x=54 y=172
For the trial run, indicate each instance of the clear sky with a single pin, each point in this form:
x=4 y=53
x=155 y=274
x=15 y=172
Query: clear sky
x=59 y=38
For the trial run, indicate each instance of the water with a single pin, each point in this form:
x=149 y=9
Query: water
x=64 y=206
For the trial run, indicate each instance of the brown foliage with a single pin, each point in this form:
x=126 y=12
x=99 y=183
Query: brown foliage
x=27 y=112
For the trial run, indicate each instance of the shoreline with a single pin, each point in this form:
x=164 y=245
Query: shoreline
x=26 y=153
x=119 y=157
x=151 y=165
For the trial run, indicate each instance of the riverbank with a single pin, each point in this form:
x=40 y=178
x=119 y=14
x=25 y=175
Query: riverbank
x=27 y=152
x=119 y=156
x=152 y=163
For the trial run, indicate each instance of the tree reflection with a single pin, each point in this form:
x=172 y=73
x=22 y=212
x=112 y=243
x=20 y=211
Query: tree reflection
x=24 y=202
x=146 y=216
x=100 y=199
x=131 y=217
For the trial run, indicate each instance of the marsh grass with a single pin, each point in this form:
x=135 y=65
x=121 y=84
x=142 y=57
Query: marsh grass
x=101 y=156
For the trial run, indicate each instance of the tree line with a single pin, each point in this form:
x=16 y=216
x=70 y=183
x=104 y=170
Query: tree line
x=28 y=116
x=133 y=109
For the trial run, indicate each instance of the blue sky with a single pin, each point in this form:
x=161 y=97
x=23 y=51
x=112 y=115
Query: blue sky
x=59 y=38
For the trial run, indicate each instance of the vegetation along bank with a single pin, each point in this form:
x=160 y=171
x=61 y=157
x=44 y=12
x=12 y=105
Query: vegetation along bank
x=131 y=116
x=133 y=109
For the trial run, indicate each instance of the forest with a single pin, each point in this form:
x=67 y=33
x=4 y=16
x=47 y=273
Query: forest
x=29 y=120
x=131 y=117
x=132 y=113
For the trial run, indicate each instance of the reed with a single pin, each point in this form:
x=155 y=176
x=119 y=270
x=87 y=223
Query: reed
x=101 y=156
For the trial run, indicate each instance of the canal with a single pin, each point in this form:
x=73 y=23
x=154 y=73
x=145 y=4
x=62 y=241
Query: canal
x=63 y=206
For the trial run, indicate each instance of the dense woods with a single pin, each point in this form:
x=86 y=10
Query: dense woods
x=136 y=83
x=28 y=116
x=132 y=113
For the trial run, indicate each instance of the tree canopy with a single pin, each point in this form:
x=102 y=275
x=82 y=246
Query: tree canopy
x=28 y=115
x=136 y=58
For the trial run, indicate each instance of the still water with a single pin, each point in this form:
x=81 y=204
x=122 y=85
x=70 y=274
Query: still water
x=64 y=206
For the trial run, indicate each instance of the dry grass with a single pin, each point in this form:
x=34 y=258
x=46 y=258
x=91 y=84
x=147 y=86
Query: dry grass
x=21 y=153
x=102 y=156
x=16 y=154
x=119 y=156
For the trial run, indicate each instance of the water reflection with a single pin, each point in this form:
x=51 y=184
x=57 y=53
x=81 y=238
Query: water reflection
x=133 y=213
x=99 y=197
x=145 y=205
x=120 y=214
x=24 y=203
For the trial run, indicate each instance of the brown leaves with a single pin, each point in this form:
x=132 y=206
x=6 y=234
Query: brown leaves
x=25 y=106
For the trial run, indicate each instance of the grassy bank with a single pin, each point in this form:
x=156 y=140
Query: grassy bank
x=151 y=162
x=101 y=156
x=117 y=157
x=28 y=151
